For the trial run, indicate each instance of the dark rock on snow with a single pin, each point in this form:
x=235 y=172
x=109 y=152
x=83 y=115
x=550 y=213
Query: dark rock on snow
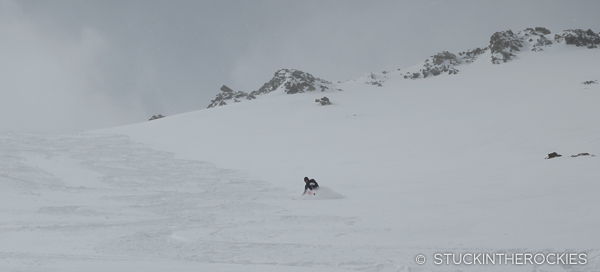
x=441 y=63
x=590 y=82
x=582 y=154
x=323 y=101
x=553 y=155
x=154 y=117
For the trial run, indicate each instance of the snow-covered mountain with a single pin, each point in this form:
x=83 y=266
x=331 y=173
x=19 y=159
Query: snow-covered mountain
x=503 y=46
x=453 y=163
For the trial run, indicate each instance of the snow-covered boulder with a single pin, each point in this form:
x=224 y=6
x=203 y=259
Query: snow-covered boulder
x=323 y=101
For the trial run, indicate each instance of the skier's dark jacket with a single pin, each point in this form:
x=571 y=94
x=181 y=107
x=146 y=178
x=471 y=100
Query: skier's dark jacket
x=311 y=184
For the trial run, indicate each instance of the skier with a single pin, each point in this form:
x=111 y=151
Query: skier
x=311 y=184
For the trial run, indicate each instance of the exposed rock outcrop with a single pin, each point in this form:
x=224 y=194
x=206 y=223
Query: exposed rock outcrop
x=579 y=38
x=553 y=155
x=227 y=95
x=290 y=81
x=471 y=55
x=582 y=154
x=536 y=36
x=503 y=44
x=293 y=81
x=538 y=31
x=154 y=117
x=503 y=47
x=443 y=62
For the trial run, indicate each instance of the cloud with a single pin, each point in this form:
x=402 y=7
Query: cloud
x=51 y=79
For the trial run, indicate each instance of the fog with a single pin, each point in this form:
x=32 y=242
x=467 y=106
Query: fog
x=75 y=65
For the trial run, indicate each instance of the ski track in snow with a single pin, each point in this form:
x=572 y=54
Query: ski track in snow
x=82 y=197
x=104 y=202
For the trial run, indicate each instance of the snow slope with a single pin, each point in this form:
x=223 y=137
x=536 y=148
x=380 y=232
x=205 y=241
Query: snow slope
x=452 y=163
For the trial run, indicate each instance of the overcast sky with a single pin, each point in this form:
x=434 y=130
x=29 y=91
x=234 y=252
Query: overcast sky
x=73 y=65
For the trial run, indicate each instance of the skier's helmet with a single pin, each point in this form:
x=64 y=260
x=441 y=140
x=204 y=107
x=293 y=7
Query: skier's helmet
x=305 y=179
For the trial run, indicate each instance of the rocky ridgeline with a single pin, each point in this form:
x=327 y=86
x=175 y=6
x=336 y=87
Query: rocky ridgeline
x=503 y=47
x=290 y=81
x=440 y=63
x=444 y=62
x=504 y=44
